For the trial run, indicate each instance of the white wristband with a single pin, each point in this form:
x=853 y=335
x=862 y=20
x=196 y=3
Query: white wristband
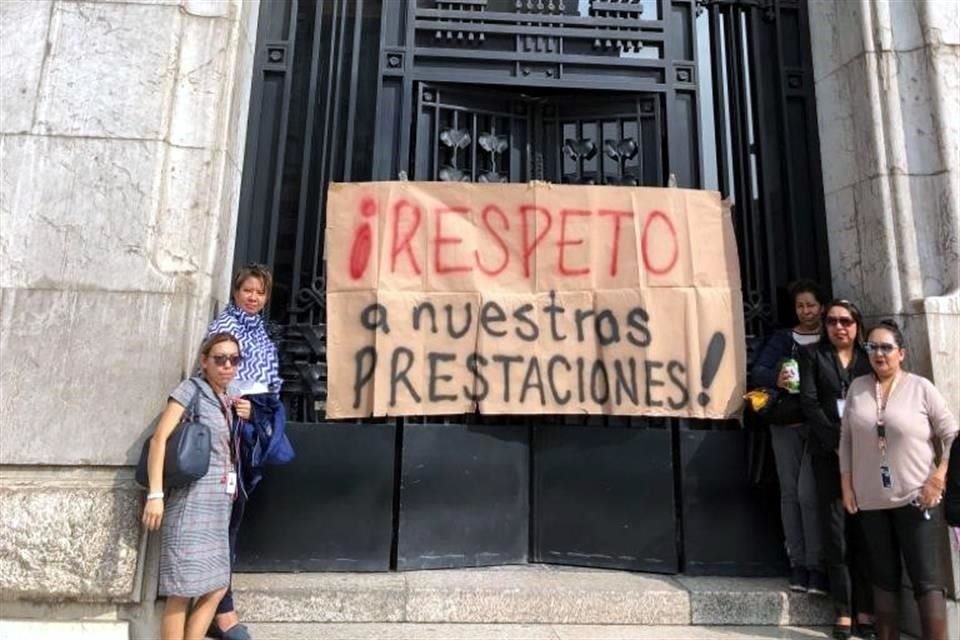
x=156 y=495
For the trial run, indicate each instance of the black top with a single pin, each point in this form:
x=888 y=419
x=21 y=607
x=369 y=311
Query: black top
x=951 y=501
x=823 y=381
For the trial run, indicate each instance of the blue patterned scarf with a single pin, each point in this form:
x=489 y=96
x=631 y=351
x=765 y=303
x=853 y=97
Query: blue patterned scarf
x=260 y=361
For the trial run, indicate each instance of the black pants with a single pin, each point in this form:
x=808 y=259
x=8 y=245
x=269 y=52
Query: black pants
x=892 y=532
x=843 y=548
x=236 y=516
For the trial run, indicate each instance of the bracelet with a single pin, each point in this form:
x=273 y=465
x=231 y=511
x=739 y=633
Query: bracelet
x=155 y=495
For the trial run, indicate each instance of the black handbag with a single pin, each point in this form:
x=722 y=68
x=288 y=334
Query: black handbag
x=187 y=457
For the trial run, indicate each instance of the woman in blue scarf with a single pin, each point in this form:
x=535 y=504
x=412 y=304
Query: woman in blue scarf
x=259 y=371
x=243 y=319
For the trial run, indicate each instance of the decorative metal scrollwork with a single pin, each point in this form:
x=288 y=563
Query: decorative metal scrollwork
x=455 y=140
x=449 y=173
x=624 y=10
x=540 y=6
x=756 y=309
x=463 y=35
x=622 y=151
x=311 y=299
x=494 y=145
x=303 y=368
x=579 y=149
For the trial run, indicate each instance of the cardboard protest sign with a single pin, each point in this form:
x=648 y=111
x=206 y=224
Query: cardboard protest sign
x=448 y=298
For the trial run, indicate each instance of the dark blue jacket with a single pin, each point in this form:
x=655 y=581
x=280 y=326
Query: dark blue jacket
x=766 y=368
x=263 y=440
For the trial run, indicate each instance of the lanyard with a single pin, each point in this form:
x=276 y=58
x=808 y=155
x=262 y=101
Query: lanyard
x=881 y=408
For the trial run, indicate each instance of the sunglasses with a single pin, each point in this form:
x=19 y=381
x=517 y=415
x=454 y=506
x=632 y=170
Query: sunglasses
x=221 y=359
x=844 y=321
x=883 y=348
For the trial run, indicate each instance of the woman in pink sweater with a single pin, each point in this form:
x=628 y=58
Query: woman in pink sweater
x=890 y=474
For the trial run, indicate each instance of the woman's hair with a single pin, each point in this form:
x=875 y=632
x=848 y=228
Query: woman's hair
x=892 y=327
x=215 y=339
x=854 y=311
x=806 y=286
x=253 y=270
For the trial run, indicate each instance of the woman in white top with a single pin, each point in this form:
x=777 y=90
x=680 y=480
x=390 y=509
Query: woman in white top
x=798 y=495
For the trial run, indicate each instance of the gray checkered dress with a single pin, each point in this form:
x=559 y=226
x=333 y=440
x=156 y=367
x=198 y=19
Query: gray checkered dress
x=194 y=546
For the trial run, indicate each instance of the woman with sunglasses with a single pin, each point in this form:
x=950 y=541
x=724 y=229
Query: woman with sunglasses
x=194 y=551
x=243 y=318
x=892 y=478
x=826 y=371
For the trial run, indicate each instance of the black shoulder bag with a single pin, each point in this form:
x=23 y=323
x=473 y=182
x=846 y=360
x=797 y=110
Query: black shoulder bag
x=187 y=457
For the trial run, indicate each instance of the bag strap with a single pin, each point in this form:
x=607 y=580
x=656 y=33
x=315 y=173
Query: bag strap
x=192 y=406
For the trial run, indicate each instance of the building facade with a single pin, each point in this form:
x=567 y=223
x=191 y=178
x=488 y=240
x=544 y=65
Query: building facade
x=148 y=146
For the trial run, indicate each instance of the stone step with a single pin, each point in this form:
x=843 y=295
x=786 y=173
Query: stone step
x=529 y=594
x=57 y=630
x=413 y=631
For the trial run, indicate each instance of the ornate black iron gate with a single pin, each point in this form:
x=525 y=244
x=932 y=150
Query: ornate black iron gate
x=710 y=93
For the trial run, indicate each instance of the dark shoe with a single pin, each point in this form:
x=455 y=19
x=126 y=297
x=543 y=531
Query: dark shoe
x=818 y=584
x=799 y=576
x=841 y=632
x=236 y=632
x=866 y=631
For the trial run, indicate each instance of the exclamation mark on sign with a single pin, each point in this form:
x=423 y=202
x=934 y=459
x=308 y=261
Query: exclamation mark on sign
x=362 y=241
x=711 y=364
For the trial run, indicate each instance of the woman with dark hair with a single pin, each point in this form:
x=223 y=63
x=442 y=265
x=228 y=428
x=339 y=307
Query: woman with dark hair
x=826 y=371
x=891 y=477
x=798 y=499
x=243 y=317
x=194 y=552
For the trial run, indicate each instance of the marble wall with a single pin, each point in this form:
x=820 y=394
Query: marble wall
x=122 y=129
x=887 y=76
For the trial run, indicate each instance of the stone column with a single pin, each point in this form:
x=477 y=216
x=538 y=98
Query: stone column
x=887 y=76
x=122 y=129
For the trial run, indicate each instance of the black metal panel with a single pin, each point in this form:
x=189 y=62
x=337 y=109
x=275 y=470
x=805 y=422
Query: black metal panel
x=331 y=509
x=768 y=150
x=464 y=495
x=728 y=529
x=595 y=44
x=603 y=497
x=385 y=89
x=269 y=108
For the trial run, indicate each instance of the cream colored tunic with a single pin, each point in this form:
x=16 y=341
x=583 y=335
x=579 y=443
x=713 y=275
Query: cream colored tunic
x=915 y=416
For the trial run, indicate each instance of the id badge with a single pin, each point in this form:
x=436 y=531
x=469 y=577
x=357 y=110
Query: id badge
x=231 y=484
x=841 y=405
x=886 y=478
